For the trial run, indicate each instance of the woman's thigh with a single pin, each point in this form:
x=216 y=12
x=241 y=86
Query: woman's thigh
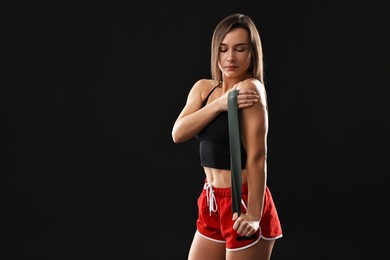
x=260 y=251
x=205 y=249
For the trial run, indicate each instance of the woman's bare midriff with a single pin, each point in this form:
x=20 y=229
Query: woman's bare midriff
x=219 y=178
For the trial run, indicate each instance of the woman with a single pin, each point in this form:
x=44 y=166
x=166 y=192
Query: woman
x=236 y=64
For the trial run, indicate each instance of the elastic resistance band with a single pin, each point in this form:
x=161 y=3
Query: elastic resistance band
x=234 y=116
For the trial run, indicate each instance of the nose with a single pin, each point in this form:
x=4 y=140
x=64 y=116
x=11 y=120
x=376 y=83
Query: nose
x=230 y=56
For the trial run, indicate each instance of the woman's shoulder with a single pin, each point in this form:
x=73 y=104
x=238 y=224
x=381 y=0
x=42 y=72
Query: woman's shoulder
x=254 y=84
x=205 y=85
x=251 y=83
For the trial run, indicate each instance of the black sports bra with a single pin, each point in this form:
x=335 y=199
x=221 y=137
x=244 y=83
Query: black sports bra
x=213 y=140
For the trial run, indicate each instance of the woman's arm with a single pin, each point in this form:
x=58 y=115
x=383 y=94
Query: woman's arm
x=254 y=130
x=193 y=118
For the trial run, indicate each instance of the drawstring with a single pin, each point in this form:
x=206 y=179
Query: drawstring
x=211 y=202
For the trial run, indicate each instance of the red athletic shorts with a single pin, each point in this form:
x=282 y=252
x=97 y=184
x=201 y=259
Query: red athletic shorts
x=215 y=218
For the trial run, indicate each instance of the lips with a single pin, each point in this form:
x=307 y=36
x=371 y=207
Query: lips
x=231 y=67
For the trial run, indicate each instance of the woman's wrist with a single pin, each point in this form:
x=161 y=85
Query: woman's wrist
x=253 y=216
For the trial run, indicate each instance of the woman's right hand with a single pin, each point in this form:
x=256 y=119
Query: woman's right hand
x=245 y=98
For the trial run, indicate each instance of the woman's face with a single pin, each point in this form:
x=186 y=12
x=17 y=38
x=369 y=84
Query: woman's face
x=234 y=53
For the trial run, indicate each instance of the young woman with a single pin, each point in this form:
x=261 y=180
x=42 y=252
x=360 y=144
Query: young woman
x=236 y=64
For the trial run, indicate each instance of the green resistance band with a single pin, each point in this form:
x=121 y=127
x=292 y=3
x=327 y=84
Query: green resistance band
x=234 y=116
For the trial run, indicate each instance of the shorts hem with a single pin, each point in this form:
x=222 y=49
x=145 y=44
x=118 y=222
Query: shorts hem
x=247 y=246
x=243 y=247
x=209 y=238
x=272 y=238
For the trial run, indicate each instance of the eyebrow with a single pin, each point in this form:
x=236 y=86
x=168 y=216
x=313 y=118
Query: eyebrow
x=238 y=44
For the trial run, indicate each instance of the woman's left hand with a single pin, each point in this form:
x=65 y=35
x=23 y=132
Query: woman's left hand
x=246 y=224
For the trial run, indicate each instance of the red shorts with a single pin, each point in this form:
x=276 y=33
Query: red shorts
x=215 y=218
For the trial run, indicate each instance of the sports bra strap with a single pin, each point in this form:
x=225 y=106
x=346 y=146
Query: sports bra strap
x=207 y=98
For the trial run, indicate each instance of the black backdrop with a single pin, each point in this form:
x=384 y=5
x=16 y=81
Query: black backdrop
x=89 y=94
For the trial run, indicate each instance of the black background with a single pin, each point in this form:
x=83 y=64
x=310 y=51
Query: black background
x=89 y=94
